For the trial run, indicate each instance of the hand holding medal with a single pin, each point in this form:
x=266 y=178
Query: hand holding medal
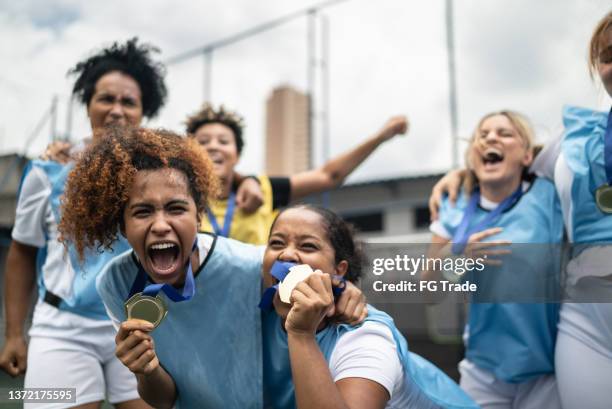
x=312 y=300
x=135 y=347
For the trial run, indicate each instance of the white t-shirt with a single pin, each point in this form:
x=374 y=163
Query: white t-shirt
x=36 y=226
x=370 y=352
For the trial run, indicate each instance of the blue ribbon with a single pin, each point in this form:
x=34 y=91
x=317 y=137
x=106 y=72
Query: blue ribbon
x=461 y=236
x=608 y=149
x=279 y=270
x=229 y=215
x=153 y=289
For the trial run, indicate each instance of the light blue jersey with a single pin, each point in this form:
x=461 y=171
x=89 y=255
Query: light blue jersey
x=580 y=170
x=516 y=341
x=428 y=387
x=210 y=344
x=583 y=151
x=71 y=282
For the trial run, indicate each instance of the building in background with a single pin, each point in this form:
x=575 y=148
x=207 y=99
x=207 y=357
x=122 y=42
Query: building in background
x=393 y=209
x=288 y=141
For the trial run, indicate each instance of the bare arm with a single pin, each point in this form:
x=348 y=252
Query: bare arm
x=136 y=350
x=20 y=271
x=451 y=184
x=58 y=151
x=249 y=196
x=157 y=388
x=333 y=173
x=314 y=386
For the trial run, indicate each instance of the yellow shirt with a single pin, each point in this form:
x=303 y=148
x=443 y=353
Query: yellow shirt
x=249 y=228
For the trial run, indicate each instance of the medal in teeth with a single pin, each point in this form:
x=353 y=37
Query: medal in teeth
x=296 y=275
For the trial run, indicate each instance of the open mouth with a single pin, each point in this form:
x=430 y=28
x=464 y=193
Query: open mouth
x=164 y=257
x=492 y=157
x=216 y=158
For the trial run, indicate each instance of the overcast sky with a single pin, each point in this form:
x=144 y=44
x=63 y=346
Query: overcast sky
x=387 y=57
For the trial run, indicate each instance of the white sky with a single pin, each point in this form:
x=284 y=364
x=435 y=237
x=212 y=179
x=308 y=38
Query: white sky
x=387 y=57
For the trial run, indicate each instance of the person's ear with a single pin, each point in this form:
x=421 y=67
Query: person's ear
x=528 y=158
x=342 y=268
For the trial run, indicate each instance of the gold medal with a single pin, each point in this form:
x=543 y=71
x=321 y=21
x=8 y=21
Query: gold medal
x=147 y=308
x=603 y=198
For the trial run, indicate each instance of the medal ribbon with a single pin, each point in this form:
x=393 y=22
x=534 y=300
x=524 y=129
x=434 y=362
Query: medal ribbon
x=229 y=215
x=608 y=149
x=172 y=293
x=279 y=270
x=461 y=236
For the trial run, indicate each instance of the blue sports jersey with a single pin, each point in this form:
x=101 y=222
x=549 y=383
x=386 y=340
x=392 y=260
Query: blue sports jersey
x=81 y=297
x=211 y=344
x=516 y=341
x=427 y=385
x=583 y=151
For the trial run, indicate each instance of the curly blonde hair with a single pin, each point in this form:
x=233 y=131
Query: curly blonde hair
x=97 y=189
x=209 y=115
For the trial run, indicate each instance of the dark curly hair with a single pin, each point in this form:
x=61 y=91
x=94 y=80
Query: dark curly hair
x=209 y=115
x=132 y=59
x=97 y=189
x=341 y=235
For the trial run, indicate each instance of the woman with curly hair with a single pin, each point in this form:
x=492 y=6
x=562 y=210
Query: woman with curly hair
x=152 y=186
x=220 y=132
x=71 y=338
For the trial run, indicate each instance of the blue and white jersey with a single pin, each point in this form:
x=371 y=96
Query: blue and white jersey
x=210 y=344
x=578 y=172
x=525 y=332
x=423 y=385
x=582 y=149
x=58 y=270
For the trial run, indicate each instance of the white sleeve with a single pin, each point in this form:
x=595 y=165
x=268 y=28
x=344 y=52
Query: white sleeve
x=544 y=164
x=368 y=352
x=32 y=207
